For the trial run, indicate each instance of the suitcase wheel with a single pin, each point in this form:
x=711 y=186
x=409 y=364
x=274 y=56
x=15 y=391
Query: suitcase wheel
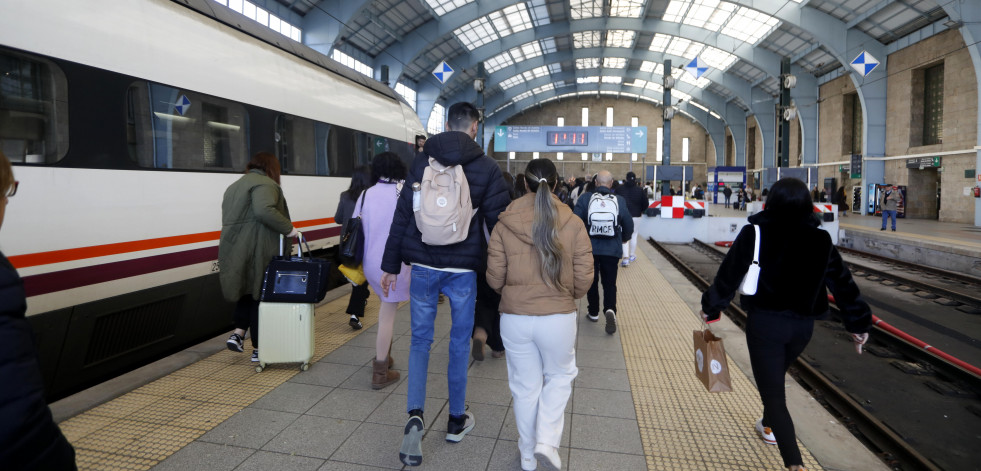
x=304 y=367
x=258 y=369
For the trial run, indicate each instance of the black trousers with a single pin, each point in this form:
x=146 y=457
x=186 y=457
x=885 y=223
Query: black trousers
x=486 y=313
x=246 y=316
x=605 y=271
x=359 y=298
x=774 y=343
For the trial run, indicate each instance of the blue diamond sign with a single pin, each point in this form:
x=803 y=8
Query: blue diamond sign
x=183 y=104
x=443 y=72
x=865 y=63
x=696 y=68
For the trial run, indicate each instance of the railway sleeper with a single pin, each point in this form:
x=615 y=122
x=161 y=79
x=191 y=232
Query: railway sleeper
x=913 y=368
x=906 y=289
x=950 y=389
x=969 y=309
x=925 y=295
x=947 y=302
x=883 y=352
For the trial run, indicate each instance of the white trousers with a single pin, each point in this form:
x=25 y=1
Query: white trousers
x=630 y=247
x=541 y=357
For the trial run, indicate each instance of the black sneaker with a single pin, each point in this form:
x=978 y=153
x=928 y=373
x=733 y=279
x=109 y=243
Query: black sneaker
x=411 y=450
x=355 y=323
x=611 y=321
x=457 y=427
x=593 y=317
x=234 y=343
x=255 y=355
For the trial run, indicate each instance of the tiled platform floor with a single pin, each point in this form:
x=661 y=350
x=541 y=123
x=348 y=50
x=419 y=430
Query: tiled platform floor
x=635 y=405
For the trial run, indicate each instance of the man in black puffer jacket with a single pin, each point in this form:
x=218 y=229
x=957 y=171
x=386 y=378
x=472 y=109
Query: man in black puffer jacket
x=29 y=438
x=450 y=269
x=636 y=204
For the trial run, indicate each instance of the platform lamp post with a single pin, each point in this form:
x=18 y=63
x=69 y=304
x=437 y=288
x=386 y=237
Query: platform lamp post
x=783 y=158
x=478 y=86
x=668 y=114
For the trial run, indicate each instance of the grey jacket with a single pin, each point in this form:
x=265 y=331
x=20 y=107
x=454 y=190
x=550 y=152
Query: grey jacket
x=891 y=199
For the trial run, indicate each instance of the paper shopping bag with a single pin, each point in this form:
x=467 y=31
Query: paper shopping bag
x=710 y=361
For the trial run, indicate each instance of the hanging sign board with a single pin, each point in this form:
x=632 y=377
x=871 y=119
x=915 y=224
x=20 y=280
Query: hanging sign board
x=856 y=166
x=923 y=162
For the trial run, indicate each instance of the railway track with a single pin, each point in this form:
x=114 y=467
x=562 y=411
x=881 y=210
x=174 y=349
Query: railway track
x=846 y=398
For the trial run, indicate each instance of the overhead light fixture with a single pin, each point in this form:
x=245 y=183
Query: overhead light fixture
x=789 y=81
x=478 y=85
x=669 y=81
x=790 y=112
x=668 y=112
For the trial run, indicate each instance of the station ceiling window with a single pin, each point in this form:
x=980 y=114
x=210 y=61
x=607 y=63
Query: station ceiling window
x=523 y=52
x=442 y=7
x=614 y=63
x=627 y=8
x=658 y=68
x=353 y=63
x=620 y=38
x=493 y=27
x=407 y=93
x=263 y=17
x=587 y=63
x=744 y=24
x=437 y=120
x=584 y=39
x=586 y=8
x=683 y=47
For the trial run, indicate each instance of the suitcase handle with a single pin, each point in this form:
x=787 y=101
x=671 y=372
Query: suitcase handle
x=299 y=250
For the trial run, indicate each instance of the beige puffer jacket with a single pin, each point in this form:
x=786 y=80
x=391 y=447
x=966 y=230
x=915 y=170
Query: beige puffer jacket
x=514 y=266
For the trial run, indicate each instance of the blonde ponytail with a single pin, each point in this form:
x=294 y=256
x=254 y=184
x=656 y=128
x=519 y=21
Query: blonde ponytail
x=540 y=176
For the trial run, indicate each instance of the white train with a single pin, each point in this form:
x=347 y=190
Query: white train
x=126 y=121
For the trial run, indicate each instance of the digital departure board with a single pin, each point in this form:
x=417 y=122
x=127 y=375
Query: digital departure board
x=565 y=138
x=589 y=139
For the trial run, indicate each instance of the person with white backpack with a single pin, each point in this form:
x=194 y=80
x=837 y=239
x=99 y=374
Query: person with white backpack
x=454 y=192
x=609 y=225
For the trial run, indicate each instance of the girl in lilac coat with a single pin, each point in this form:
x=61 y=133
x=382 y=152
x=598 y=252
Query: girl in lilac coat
x=376 y=219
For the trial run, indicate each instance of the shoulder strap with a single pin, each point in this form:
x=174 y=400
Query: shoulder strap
x=361 y=208
x=756 y=245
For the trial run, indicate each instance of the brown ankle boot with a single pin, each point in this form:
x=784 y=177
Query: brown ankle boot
x=381 y=376
x=391 y=362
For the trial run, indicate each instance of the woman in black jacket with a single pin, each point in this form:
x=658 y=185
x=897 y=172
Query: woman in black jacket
x=29 y=438
x=360 y=181
x=798 y=265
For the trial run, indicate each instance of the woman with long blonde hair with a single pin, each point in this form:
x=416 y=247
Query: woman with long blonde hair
x=541 y=261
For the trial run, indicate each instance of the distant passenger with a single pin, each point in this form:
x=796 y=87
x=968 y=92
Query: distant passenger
x=792 y=293
x=540 y=260
x=376 y=213
x=360 y=181
x=727 y=193
x=420 y=143
x=842 y=201
x=609 y=225
x=253 y=216
x=29 y=438
x=449 y=269
x=636 y=204
x=891 y=197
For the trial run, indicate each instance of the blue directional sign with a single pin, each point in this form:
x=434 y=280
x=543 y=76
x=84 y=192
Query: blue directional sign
x=696 y=67
x=617 y=139
x=183 y=104
x=865 y=63
x=442 y=72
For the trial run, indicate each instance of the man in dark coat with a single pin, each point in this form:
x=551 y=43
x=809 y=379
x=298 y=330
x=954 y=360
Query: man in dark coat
x=606 y=252
x=727 y=192
x=450 y=269
x=636 y=200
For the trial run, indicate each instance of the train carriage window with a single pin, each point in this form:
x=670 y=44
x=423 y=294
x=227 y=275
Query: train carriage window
x=342 y=151
x=180 y=129
x=301 y=145
x=33 y=109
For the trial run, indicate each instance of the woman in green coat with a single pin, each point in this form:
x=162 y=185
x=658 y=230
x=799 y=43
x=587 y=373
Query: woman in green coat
x=253 y=216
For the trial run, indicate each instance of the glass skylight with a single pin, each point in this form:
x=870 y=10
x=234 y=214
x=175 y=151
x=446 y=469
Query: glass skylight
x=437 y=120
x=525 y=51
x=586 y=8
x=620 y=38
x=612 y=79
x=688 y=49
x=407 y=93
x=699 y=106
x=584 y=39
x=627 y=8
x=588 y=63
x=537 y=72
x=508 y=83
x=257 y=14
x=727 y=18
x=614 y=63
x=544 y=88
x=678 y=73
x=494 y=26
x=522 y=96
x=442 y=7
x=353 y=63
x=539 y=12
x=592 y=79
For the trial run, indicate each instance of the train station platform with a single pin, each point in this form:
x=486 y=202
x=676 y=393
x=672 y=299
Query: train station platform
x=636 y=403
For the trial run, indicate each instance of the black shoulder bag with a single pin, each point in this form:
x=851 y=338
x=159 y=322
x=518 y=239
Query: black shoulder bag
x=352 y=239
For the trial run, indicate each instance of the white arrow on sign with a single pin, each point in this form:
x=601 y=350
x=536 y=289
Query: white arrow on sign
x=639 y=133
x=500 y=133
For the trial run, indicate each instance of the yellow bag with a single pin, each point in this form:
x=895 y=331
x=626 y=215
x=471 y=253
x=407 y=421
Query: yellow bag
x=354 y=275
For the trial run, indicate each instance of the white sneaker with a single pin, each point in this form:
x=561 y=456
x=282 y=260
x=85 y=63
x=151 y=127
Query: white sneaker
x=529 y=464
x=625 y=263
x=765 y=433
x=548 y=456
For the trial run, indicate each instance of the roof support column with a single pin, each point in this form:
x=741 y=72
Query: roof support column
x=717 y=132
x=806 y=92
x=766 y=120
x=736 y=119
x=426 y=97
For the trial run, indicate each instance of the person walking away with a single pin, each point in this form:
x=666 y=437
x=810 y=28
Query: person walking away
x=792 y=293
x=377 y=212
x=727 y=193
x=448 y=269
x=890 y=203
x=842 y=201
x=540 y=260
x=30 y=437
x=253 y=216
x=636 y=203
x=609 y=227
x=360 y=181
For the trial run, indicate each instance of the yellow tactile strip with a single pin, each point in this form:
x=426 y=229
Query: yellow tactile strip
x=683 y=427
x=139 y=429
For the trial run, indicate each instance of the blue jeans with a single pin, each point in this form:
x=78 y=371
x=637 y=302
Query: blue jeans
x=886 y=214
x=461 y=291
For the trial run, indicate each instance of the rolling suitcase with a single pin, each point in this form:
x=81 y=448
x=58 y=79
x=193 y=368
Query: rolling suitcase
x=290 y=287
x=285 y=334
